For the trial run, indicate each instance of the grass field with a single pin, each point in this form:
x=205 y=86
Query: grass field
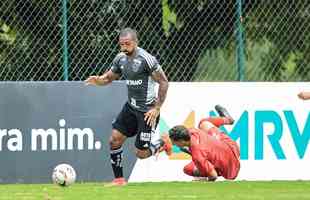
x=275 y=190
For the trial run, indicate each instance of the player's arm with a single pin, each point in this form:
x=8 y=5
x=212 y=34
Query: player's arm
x=104 y=79
x=160 y=77
x=304 y=95
x=212 y=175
x=206 y=169
x=107 y=77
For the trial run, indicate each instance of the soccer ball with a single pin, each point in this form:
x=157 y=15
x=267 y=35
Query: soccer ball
x=64 y=175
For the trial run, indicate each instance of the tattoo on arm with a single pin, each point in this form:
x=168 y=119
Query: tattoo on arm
x=160 y=77
x=113 y=76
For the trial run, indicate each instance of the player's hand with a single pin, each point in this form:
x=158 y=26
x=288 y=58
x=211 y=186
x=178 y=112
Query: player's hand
x=92 y=80
x=304 y=95
x=151 y=116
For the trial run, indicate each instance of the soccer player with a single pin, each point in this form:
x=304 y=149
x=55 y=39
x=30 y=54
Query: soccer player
x=140 y=114
x=304 y=95
x=213 y=152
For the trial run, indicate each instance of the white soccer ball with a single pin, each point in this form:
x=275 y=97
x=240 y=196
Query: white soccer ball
x=64 y=175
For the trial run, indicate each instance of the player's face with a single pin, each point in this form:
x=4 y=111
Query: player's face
x=180 y=143
x=127 y=45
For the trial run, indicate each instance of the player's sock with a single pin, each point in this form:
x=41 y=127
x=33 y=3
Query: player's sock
x=116 y=162
x=217 y=121
x=213 y=121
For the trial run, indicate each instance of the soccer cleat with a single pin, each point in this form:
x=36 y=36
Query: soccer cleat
x=224 y=113
x=117 y=182
x=202 y=179
x=167 y=146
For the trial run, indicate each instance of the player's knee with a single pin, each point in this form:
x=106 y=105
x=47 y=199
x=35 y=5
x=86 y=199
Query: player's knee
x=205 y=124
x=115 y=142
x=142 y=154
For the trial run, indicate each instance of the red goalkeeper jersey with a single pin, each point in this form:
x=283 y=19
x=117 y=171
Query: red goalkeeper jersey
x=214 y=150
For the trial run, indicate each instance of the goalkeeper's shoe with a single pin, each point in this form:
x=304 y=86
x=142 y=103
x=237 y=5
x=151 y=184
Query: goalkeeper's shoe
x=117 y=182
x=202 y=179
x=224 y=113
x=167 y=144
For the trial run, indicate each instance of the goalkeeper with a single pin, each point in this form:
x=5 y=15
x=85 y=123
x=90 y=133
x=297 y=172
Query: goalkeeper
x=213 y=153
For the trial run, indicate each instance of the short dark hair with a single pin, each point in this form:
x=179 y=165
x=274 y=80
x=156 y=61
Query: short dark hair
x=178 y=133
x=129 y=31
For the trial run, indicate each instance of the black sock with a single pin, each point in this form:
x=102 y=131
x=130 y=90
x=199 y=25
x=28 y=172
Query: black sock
x=116 y=162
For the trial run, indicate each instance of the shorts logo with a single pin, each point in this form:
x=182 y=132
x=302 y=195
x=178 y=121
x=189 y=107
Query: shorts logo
x=145 y=136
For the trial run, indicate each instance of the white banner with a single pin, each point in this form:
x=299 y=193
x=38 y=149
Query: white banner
x=271 y=126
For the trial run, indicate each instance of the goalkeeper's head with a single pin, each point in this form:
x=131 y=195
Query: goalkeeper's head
x=180 y=136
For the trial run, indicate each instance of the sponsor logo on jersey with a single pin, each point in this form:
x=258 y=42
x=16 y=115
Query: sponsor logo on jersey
x=134 y=82
x=136 y=65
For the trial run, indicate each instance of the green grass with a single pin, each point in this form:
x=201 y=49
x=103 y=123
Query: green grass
x=275 y=190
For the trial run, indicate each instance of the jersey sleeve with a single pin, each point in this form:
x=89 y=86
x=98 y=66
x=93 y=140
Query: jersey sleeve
x=116 y=67
x=152 y=64
x=202 y=164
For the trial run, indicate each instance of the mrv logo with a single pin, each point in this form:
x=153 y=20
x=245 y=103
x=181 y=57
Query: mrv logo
x=299 y=133
x=44 y=139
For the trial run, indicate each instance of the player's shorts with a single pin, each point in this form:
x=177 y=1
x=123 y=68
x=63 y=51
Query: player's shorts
x=130 y=122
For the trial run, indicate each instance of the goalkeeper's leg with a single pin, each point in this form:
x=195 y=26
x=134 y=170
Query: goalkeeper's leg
x=224 y=113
